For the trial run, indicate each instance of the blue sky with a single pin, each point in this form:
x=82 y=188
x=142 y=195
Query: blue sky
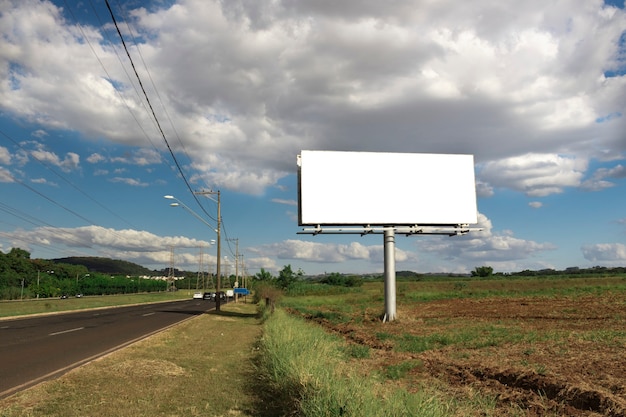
x=535 y=91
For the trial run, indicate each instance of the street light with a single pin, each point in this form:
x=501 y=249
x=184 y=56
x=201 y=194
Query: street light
x=217 y=230
x=196 y=215
x=78 y=289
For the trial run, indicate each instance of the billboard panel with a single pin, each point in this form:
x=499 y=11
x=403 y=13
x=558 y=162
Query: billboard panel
x=378 y=188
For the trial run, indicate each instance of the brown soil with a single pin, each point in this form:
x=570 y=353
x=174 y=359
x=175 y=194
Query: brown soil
x=569 y=361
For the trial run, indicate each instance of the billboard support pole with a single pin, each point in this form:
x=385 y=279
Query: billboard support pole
x=390 y=274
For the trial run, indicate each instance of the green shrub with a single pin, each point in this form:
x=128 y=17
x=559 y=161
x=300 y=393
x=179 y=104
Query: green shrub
x=399 y=371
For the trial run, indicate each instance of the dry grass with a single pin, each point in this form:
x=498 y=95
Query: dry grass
x=201 y=367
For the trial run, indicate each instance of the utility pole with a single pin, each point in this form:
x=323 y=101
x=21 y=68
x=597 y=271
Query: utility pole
x=200 y=272
x=236 y=240
x=219 y=244
x=237 y=283
x=170 y=275
x=243 y=273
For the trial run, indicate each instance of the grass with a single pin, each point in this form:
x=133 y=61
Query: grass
x=469 y=336
x=369 y=295
x=54 y=305
x=400 y=370
x=442 y=289
x=202 y=367
x=308 y=370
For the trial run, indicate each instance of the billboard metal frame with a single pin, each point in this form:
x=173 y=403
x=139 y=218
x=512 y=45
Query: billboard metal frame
x=338 y=188
x=389 y=231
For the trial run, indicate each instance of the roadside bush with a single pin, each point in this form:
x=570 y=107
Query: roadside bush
x=267 y=295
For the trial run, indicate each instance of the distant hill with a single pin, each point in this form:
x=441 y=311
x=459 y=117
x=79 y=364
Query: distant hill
x=106 y=265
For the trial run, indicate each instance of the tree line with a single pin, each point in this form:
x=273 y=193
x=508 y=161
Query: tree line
x=22 y=277
x=487 y=271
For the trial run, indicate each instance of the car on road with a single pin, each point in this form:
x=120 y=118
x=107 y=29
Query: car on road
x=197 y=295
x=208 y=296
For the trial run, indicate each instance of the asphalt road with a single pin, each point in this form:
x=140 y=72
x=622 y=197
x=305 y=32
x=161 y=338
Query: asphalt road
x=39 y=348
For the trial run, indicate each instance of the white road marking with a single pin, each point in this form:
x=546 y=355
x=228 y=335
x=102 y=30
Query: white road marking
x=66 y=331
x=147 y=314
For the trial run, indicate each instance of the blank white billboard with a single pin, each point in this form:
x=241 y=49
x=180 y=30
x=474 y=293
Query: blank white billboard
x=377 y=188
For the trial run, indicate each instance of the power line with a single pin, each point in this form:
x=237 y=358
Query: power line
x=64 y=179
x=149 y=103
x=158 y=124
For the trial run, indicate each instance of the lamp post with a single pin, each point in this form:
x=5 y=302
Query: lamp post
x=219 y=242
x=217 y=230
x=77 y=288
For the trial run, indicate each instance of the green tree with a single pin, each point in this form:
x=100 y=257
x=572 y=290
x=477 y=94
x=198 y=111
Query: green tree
x=334 y=278
x=353 y=281
x=263 y=275
x=482 y=271
x=286 y=277
x=19 y=262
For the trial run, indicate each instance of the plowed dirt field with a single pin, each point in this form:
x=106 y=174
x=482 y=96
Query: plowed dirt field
x=532 y=356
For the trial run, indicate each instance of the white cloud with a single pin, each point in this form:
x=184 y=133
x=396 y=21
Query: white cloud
x=598 y=180
x=536 y=175
x=39 y=133
x=129 y=181
x=141 y=157
x=94 y=158
x=71 y=161
x=43 y=181
x=324 y=252
x=486 y=247
x=147 y=157
x=483 y=189
x=5 y=175
x=535 y=204
x=605 y=252
x=5 y=156
x=21 y=157
x=254 y=264
x=249 y=85
x=67 y=164
x=137 y=246
x=286 y=202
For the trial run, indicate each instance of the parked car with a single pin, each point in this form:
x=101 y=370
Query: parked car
x=207 y=296
x=197 y=295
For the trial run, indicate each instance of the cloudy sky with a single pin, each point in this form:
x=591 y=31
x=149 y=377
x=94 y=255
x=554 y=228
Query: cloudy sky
x=206 y=95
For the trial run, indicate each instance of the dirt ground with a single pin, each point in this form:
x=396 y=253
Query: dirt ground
x=569 y=358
